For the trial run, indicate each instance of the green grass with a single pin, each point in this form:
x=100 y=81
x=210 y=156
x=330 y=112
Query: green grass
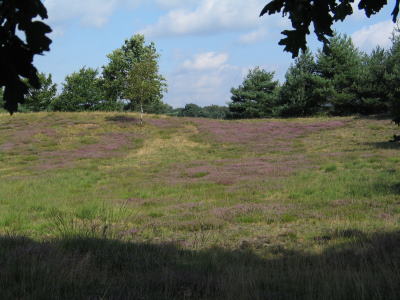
x=172 y=212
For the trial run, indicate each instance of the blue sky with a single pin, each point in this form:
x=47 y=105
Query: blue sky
x=206 y=46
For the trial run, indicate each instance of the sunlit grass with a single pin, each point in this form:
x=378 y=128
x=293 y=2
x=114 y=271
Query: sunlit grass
x=172 y=181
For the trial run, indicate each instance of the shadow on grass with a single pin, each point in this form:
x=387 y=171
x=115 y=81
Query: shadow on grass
x=379 y=117
x=358 y=267
x=385 y=145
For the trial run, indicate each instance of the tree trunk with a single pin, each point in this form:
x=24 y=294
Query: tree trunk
x=141 y=114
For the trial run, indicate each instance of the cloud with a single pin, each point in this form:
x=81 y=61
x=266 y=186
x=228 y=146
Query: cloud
x=90 y=12
x=204 y=79
x=167 y=4
x=253 y=36
x=210 y=16
x=371 y=36
x=205 y=61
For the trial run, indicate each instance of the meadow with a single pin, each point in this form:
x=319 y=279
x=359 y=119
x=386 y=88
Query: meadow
x=95 y=206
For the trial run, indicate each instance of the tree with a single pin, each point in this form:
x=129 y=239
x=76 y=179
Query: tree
x=82 y=91
x=321 y=15
x=256 y=97
x=372 y=87
x=144 y=85
x=1 y=98
x=16 y=53
x=304 y=92
x=158 y=107
x=41 y=99
x=393 y=76
x=191 y=110
x=341 y=64
x=121 y=62
x=215 y=111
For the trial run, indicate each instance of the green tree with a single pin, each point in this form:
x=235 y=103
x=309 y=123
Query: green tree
x=304 y=92
x=144 y=85
x=256 y=97
x=341 y=64
x=158 y=107
x=40 y=99
x=321 y=15
x=17 y=53
x=372 y=87
x=393 y=76
x=191 y=110
x=121 y=62
x=82 y=91
x=215 y=111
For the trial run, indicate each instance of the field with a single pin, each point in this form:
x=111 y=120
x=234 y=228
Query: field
x=95 y=206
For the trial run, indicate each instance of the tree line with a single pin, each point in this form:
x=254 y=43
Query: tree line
x=338 y=80
x=130 y=81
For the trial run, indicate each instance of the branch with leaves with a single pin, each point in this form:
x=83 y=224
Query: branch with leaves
x=319 y=13
x=16 y=55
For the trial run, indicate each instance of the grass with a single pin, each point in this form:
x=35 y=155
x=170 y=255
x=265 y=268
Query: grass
x=95 y=206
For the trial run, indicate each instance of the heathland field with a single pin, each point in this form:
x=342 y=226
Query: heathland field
x=95 y=206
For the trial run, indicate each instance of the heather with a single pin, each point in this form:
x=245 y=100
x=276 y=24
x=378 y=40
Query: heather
x=95 y=205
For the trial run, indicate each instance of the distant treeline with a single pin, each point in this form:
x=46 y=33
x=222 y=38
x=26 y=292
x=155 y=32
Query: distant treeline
x=338 y=80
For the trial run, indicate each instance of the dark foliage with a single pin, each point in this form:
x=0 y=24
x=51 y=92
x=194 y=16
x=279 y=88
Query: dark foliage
x=1 y=98
x=256 y=97
x=16 y=55
x=319 y=14
x=304 y=92
x=341 y=64
x=193 y=110
x=392 y=77
x=372 y=88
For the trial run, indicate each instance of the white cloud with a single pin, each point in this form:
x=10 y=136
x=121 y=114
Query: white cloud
x=90 y=12
x=210 y=16
x=175 y=3
x=253 y=36
x=204 y=79
x=205 y=61
x=374 y=35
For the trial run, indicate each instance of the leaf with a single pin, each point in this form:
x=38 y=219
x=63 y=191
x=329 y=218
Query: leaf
x=16 y=56
x=273 y=7
x=36 y=36
x=294 y=41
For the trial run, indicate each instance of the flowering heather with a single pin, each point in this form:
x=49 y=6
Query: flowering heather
x=106 y=147
x=262 y=135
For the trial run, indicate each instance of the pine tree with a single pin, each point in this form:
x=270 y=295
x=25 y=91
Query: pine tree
x=393 y=76
x=256 y=97
x=340 y=63
x=304 y=92
x=372 y=87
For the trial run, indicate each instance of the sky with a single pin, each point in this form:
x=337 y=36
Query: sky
x=206 y=46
